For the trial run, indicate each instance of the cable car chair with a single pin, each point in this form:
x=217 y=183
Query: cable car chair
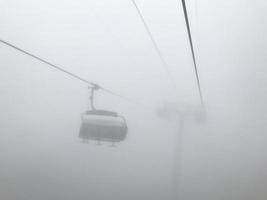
x=102 y=125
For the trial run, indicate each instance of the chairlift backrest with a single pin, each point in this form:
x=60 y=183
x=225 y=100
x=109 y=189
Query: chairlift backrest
x=102 y=112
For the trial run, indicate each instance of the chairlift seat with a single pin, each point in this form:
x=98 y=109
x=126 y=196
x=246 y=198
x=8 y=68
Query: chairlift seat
x=103 y=125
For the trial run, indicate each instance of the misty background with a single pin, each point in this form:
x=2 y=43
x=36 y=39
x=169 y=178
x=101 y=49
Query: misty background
x=220 y=154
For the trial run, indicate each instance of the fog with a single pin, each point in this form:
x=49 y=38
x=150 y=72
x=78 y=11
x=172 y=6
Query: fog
x=174 y=148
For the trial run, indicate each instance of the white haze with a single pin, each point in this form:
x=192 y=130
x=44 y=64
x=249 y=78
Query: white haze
x=218 y=155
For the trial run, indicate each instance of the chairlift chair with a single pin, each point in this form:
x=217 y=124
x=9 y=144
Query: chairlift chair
x=102 y=125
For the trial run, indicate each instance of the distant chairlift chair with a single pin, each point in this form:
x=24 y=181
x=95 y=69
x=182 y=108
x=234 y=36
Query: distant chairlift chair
x=102 y=125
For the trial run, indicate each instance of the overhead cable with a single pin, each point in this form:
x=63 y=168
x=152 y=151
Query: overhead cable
x=164 y=64
x=68 y=73
x=48 y=63
x=192 y=50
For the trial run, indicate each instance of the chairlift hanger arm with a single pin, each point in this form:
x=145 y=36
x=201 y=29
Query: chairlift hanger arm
x=93 y=88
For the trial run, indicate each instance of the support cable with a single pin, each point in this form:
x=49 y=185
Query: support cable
x=164 y=64
x=92 y=84
x=192 y=50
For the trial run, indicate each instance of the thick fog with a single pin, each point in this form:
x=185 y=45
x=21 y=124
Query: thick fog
x=174 y=148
